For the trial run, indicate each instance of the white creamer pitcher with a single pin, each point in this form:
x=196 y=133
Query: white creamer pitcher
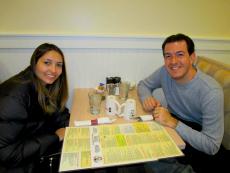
x=112 y=106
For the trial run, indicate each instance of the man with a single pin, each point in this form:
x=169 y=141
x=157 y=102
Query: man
x=194 y=100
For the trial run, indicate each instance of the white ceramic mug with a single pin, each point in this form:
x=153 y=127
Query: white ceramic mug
x=112 y=106
x=128 y=109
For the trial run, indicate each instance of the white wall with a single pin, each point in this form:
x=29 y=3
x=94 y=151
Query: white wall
x=90 y=59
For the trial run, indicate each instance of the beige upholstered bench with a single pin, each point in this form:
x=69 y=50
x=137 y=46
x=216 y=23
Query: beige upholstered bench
x=221 y=72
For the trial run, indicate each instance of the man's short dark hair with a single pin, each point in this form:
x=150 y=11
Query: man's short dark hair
x=180 y=37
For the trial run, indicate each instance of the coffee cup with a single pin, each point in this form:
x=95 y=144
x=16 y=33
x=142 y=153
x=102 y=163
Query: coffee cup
x=112 y=106
x=128 y=109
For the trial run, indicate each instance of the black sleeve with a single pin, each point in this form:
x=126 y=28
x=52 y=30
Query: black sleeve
x=15 y=147
x=62 y=118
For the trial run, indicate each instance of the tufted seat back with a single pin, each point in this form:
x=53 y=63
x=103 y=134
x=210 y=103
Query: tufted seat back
x=220 y=72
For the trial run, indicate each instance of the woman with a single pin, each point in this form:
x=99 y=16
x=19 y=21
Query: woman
x=33 y=116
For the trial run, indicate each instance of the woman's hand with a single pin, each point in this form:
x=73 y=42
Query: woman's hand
x=60 y=133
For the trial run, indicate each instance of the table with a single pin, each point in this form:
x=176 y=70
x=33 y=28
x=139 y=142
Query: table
x=80 y=111
x=120 y=143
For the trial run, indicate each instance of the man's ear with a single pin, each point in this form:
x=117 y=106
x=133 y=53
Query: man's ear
x=193 y=57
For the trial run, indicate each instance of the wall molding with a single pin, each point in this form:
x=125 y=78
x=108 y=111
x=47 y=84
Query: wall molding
x=105 y=42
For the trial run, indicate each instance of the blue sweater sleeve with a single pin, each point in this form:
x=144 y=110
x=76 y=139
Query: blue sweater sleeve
x=210 y=137
x=145 y=87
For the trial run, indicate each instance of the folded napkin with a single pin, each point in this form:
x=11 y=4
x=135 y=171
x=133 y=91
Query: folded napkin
x=102 y=120
x=146 y=117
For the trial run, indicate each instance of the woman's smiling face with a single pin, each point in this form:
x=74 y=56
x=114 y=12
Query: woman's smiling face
x=49 y=67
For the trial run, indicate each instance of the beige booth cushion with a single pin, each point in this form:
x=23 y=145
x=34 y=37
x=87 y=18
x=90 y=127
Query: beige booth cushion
x=221 y=72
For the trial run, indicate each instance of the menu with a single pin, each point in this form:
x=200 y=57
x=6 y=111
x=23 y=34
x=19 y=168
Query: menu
x=115 y=144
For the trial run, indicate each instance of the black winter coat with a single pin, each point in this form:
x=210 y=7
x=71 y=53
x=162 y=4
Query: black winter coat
x=26 y=132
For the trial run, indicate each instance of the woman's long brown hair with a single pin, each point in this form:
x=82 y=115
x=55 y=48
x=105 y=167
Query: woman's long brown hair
x=51 y=97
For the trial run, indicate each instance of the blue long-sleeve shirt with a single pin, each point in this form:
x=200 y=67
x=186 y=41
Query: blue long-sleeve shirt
x=200 y=101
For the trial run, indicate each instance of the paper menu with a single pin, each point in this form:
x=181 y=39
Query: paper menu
x=115 y=144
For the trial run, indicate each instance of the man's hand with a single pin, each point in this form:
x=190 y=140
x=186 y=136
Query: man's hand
x=60 y=133
x=150 y=103
x=162 y=115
